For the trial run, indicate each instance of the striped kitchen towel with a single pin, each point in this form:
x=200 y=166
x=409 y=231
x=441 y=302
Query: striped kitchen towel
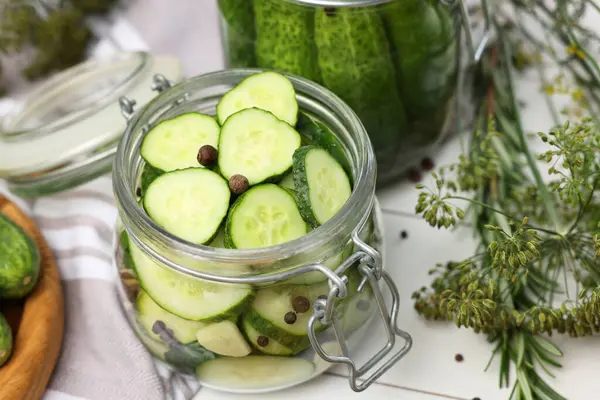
x=101 y=358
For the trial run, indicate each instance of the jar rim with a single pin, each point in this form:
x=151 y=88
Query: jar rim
x=360 y=202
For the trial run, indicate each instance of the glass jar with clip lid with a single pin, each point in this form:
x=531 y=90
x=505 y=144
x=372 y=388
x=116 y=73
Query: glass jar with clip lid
x=260 y=319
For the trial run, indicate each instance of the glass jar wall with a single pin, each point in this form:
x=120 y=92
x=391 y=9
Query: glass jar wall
x=395 y=62
x=252 y=320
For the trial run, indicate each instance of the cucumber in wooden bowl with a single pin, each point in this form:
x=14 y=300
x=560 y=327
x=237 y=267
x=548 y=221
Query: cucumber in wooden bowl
x=6 y=340
x=19 y=260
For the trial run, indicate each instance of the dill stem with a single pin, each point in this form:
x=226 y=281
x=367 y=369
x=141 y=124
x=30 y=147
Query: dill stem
x=545 y=196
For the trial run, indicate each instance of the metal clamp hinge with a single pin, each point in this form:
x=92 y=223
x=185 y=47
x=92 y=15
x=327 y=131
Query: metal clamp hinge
x=127 y=107
x=370 y=266
x=159 y=84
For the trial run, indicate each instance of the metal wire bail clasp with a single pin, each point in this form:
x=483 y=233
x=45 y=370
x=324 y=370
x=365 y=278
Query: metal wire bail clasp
x=371 y=268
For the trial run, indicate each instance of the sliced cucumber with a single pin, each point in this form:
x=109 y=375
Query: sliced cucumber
x=173 y=144
x=223 y=338
x=256 y=144
x=269 y=91
x=269 y=309
x=322 y=186
x=287 y=181
x=265 y=215
x=263 y=343
x=254 y=372
x=189 y=203
x=188 y=298
x=310 y=278
x=320 y=135
x=150 y=313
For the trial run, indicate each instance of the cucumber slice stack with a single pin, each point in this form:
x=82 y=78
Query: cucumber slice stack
x=244 y=179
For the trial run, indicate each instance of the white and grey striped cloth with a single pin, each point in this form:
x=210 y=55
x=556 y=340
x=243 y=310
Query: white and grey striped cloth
x=101 y=358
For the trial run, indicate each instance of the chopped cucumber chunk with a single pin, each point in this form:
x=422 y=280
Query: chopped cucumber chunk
x=322 y=186
x=254 y=372
x=189 y=203
x=257 y=145
x=269 y=91
x=173 y=144
x=266 y=215
x=151 y=313
x=223 y=338
x=263 y=343
x=186 y=297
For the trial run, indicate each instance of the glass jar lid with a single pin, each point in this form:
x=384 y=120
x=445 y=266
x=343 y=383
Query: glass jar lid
x=65 y=131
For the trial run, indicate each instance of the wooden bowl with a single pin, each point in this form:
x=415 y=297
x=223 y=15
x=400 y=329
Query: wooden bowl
x=37 y=322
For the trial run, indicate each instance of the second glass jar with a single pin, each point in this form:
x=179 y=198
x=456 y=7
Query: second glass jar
x=395 y=62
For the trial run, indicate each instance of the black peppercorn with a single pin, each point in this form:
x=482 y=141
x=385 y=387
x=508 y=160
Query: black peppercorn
x=158 y=326
x=414 y=175
x=207 y=155
x=138 y=192
x=427 y=164
x=300 y=304
x=262 y=341
x=459 y=358
x=403 y=234
x=238 y=184
x=290 y=318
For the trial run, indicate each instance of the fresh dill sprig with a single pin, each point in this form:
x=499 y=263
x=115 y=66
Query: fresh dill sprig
x=537 y=238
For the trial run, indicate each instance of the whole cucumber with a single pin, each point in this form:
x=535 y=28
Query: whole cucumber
x=355 y=63
x=284 y=38
x=238 y=32
x=6 y=340
x=425 y=51
x=19 y=260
